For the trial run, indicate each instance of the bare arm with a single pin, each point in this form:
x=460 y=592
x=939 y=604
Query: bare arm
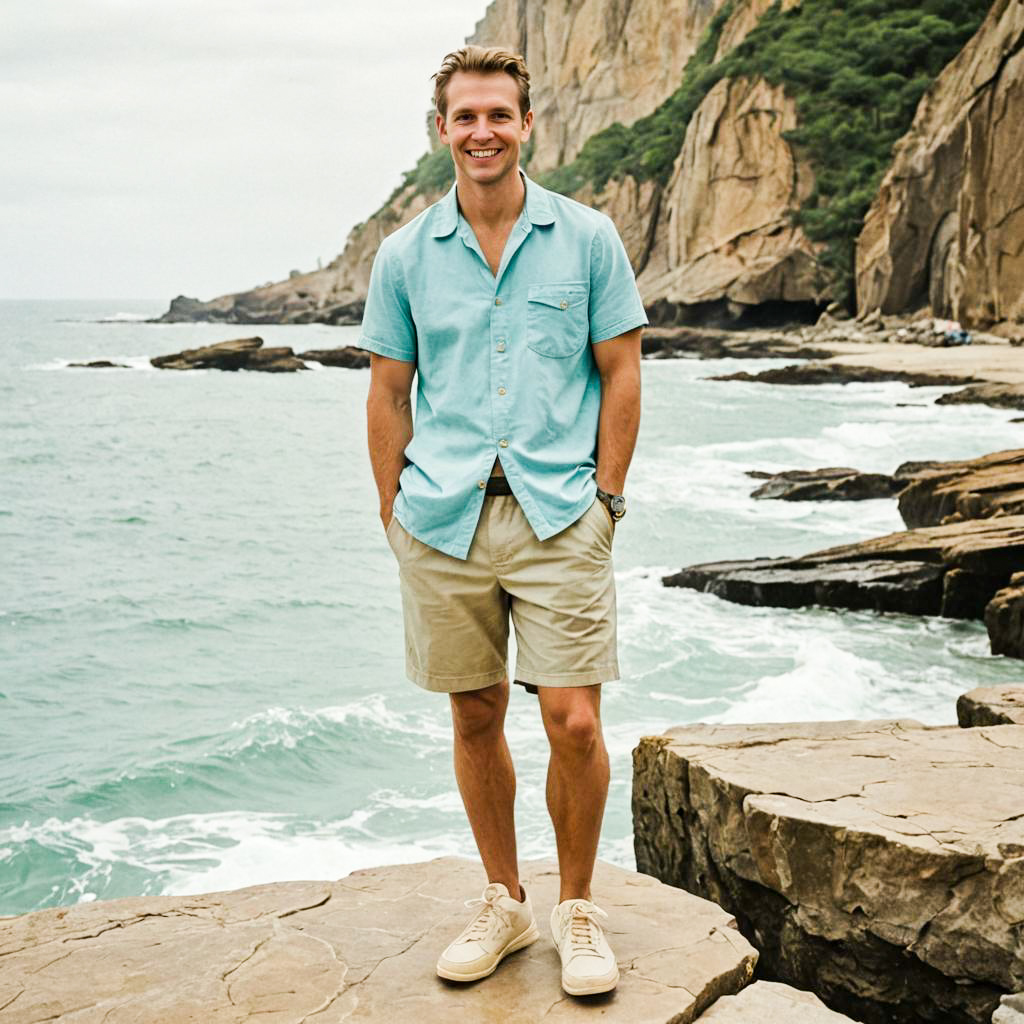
x=388 y=425
x=618 y=362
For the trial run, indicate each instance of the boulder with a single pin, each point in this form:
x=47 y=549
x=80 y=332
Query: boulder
x=1011 y=1010
x=953 y=570
x=1004 y=618
x=771 y=1002
x=362 y=948
x=347 y=356
x=879 y=864
x=991 y=705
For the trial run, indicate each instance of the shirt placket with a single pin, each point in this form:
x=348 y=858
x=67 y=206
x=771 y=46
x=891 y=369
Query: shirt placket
x=501 y=339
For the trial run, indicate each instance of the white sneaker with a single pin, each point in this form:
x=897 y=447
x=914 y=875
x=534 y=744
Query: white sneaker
x=501 y=926
x=588 y=963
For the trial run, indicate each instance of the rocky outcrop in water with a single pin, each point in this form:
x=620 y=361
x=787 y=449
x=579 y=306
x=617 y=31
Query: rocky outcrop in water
x=831 y=483
x=362 y=948
x=953 y=570
x=947 y=225
x=249 y=354
x=1004 y=618
x=237 y=354
x=878 y=863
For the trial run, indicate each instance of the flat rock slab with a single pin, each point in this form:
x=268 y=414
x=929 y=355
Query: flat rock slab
x=771 y=1002
x=954 y=569
x=879 y=864
x=360 y=949
x=991 y=705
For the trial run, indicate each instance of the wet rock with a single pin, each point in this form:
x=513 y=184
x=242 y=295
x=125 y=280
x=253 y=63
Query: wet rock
x=879 y=864
x=347 y=356
x=362 y=948
x=1001 y=396
x=991 y=705
x=1004 y=618
x=102 y=364
x=831 y=483
x=838 y=373
x=908 y=571
x=237 y=354
x=708 y=343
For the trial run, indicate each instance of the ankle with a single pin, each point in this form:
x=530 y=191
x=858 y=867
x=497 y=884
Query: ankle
x=513 y=890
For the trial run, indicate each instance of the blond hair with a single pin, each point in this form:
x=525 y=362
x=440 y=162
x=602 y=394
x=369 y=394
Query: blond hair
x=483 y=60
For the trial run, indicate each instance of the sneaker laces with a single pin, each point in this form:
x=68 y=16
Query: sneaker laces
x=489 y=908
x=583 y=925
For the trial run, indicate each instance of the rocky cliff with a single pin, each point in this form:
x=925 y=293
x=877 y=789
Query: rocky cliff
x=681 y=120
x=947 y=226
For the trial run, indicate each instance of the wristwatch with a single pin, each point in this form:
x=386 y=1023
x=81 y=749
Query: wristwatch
x=616 y=503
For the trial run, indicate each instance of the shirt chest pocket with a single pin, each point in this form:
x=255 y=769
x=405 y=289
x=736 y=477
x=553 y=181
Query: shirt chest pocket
x=557 y=324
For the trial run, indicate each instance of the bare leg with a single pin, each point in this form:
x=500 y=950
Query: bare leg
x=487 y=779
x=577 y=785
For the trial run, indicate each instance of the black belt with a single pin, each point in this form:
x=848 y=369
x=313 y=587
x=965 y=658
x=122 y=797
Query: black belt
x=498 y=485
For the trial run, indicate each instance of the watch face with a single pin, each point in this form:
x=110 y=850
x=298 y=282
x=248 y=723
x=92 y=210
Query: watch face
x=618 y=504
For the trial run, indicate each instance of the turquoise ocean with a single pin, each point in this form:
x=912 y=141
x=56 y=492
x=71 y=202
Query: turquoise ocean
x=201 y=670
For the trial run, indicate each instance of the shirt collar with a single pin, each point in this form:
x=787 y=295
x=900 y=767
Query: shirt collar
x=537 y=205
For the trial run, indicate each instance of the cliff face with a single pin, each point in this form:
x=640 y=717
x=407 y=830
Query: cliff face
x=716 y=241
x=947 y=226
x=724 y=234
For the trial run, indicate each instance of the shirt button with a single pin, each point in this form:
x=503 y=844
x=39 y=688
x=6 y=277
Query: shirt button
x=500 y=346
x=481 y=484
x=563 y=304
x=503 y=443
x=501 y=391
x=497 y=302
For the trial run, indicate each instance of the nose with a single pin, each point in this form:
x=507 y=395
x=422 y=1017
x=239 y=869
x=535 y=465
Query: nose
x=481 y=129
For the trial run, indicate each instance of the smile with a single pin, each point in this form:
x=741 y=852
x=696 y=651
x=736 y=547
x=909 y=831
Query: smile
x=482 y=154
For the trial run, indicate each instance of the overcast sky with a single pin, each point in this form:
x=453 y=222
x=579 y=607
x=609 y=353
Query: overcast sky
x=152 y=148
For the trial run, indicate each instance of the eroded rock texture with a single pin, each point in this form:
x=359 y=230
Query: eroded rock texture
x=362 y=948
x=947 y=226
x=991 y=705
x=724 y=233
x=954 y=570
x=879 y=864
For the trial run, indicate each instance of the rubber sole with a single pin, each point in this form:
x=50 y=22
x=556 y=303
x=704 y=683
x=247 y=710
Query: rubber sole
x=592 y=988
x=532 y=934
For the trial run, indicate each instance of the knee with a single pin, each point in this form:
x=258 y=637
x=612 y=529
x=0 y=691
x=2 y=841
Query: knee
x=479 y=714
x=575 y=731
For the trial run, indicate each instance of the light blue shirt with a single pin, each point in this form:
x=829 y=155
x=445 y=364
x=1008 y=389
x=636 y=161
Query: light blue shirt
x=503 y=362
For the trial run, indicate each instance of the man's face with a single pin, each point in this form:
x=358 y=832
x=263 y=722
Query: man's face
x=484 y=127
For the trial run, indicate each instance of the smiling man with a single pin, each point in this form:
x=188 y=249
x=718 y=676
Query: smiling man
x=517 y=311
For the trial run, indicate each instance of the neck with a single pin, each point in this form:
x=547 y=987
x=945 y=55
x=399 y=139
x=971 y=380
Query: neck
x=493 y=204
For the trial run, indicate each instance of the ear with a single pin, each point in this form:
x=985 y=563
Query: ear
x=524 y=135
x=441 y=131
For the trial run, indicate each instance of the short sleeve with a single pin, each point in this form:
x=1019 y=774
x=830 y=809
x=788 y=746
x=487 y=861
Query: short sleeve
x=388 y=327
x=615 y=303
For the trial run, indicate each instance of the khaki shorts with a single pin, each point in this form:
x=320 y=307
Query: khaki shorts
x=560 y=592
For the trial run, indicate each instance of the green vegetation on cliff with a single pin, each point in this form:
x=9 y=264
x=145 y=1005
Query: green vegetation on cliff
x=856 y=70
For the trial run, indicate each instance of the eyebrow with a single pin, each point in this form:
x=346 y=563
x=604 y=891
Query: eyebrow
x=493 y=110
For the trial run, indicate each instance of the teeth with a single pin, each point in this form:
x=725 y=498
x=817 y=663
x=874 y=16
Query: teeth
x=482 y=152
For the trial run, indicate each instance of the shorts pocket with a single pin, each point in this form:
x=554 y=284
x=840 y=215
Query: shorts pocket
x=557 y=324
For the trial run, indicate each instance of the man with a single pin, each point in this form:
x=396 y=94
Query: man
x=518 y=310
